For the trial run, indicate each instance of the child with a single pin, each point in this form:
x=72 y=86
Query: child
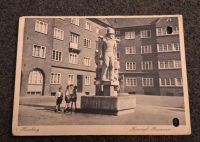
x=74 y=97
x=67 y=99
x=59 y=97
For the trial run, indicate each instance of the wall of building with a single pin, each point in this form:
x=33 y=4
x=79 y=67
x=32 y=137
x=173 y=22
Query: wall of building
x=47 y=65
x=138 y=58
x=29 y=63
x=174 y=55
x=155 y=56
x=64 y=80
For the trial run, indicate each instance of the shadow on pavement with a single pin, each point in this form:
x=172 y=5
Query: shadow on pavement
x=49 y=108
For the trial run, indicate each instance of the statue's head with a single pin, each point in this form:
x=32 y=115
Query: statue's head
x=110 y=33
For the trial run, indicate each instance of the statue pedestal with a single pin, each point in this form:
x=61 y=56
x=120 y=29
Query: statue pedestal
x=110 y=88
x=109 y=102
x=111 y=105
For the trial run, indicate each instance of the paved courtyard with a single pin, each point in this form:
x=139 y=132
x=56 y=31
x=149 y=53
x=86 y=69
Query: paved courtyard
x=150 y=110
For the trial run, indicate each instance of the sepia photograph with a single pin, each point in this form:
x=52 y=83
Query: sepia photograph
x=101 y=75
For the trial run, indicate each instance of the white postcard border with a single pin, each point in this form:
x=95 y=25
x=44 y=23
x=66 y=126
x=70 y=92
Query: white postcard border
x=98 y=129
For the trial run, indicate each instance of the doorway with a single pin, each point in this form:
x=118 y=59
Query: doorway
x=79 y=83
x=35 y=83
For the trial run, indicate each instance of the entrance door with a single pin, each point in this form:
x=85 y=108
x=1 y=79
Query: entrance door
x=79 y=83
x=35 y=83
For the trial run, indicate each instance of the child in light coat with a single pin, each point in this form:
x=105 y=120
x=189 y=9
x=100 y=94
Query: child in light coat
x=67 y=99
x=59 y=98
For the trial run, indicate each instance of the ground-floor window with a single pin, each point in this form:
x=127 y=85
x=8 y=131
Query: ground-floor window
x=179 y=82
x=87 y=80
x=70 y=79
x=55 y=78
x=131 y=81
x=34 y=93
x=35 y=83
x=35 y=77
x=147 y=81
x=171 y=82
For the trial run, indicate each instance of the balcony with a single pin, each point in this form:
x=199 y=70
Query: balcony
x=73 y=47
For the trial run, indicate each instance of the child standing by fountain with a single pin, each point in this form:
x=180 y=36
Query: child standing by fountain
x=59 y=98
x=67 y=99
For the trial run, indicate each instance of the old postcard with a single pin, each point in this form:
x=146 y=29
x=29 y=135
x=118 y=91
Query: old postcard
x=101 y=75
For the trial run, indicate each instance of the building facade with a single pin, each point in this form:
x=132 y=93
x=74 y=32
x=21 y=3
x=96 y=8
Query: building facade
x=149 y=55
x=59 y=52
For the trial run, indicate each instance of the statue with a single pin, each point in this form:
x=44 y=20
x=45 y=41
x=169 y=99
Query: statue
x=109 y=56
x=107 y=71
x=107 y=97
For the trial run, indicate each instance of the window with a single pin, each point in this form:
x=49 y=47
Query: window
x=147 y=81
x=169 y=20
x=147 y=65
x=55 y=78
x=97 y=30
x=169 y=64
x=167 y=82
x=162 y=31
x=58 y=34
x=145 y=34
x=88 y=26
x=87 y=80
x=41 y=27
x=57 y=55
x=179 y=82
x=130 y=50
x=175 y=30
x=39 y=51
x=75 y=21
x=73 y=58
x=74 y=38
x=86 y=61
x=177 y=64
x=171 y=82
x=130 y=35
x=168 y=47
x=146 y=49
x=70 y=79
x=35 y=77
x=130 y=65
x=87 y=43
x=131 y=82
x=176 y=47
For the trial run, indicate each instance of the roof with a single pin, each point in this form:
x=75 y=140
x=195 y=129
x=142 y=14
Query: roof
x=102 y=21
x=131 y=22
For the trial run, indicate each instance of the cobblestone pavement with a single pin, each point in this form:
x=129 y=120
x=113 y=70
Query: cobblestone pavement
x=150 y=110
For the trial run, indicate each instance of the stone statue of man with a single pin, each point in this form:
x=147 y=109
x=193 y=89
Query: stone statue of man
x=109 y=55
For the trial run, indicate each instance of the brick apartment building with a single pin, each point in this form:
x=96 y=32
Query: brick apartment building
x=149 y=56
x=58 y=52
